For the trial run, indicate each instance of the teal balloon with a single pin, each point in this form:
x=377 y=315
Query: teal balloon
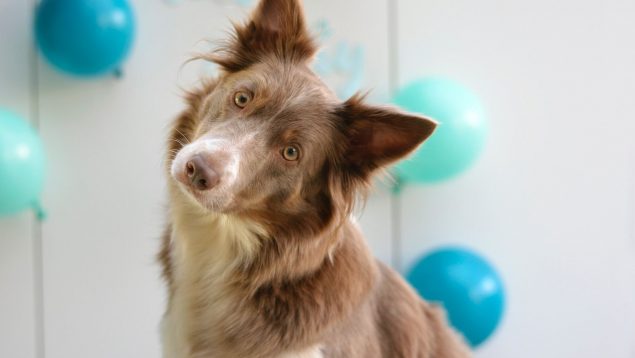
x=21 y=165
x=459 y=138
x=85 y=37
x=467 y=286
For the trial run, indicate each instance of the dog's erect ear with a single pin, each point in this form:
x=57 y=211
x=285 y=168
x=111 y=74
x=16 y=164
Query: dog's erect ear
x=380 y=136
x=276 y=28
x=279 y=16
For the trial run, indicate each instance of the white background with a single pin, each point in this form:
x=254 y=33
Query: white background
x=550 y=202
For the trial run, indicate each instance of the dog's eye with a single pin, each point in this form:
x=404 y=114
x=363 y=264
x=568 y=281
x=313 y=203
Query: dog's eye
x=291 y=153
x=242 y=98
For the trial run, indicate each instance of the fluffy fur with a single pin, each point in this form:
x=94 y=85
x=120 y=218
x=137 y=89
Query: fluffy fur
x=267 y=262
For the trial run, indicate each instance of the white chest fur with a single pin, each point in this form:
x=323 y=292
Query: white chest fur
x=202 y=254
x=203 y=251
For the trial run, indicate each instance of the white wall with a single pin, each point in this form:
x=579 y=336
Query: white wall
x=17 y=234
x=550 y=202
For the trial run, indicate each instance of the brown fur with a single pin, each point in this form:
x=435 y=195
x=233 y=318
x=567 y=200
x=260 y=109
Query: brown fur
x=279 y=268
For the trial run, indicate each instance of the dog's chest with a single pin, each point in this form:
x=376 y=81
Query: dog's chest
x=181 y=323
x=203 y=303
x=201 y=296
x=203 y=257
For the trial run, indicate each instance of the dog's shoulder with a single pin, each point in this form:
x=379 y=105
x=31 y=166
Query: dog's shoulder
x=411 y=326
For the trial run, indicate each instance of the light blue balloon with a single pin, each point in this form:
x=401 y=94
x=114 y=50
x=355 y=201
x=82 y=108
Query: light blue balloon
x=467 y=286
x=459 y=138
x=21 y=165
x=85 y=37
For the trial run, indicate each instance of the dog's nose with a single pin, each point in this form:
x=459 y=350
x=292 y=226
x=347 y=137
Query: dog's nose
x=201 y=175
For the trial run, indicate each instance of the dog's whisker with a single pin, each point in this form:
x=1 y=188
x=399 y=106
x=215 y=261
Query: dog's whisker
x=184 y=136
x=180 y=143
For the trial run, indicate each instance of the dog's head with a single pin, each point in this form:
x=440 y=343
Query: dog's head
x=268 y=140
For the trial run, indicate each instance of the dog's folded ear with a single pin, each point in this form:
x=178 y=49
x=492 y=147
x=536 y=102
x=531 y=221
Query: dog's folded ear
x=380 y=136
x=276 y=28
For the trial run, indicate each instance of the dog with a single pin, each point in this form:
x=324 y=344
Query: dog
x=260 y=254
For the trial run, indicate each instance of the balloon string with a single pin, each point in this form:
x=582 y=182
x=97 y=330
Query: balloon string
x=37 y=253
x=396 y=224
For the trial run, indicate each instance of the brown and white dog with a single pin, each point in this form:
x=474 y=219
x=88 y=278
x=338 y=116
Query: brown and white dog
x=260 y=255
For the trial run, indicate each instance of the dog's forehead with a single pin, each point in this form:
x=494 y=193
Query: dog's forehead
x=296 y=82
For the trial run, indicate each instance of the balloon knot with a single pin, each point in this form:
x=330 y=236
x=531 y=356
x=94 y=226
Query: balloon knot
x=40 y=213
x=397 y=186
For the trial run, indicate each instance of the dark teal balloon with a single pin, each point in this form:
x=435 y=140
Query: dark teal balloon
x=21 y=165
x=459 y=138
x=467 y=286
x=85 y=37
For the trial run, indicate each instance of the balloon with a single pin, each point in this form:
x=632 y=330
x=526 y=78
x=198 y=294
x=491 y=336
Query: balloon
x=21 y=165
x=459 y=138
x=85 y=37
x=467 y=286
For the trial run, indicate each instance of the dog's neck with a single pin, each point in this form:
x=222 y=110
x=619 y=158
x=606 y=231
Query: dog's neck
x=196 y=229
x=228 y=242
